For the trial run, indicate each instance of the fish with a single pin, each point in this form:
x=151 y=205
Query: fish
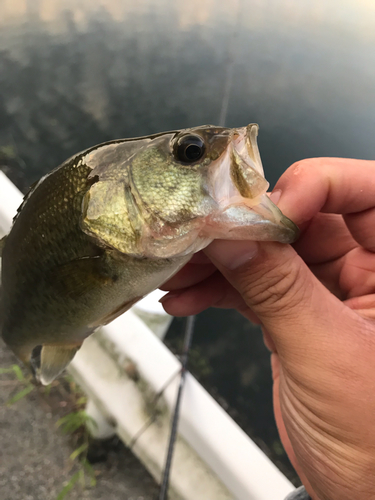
x=114 y=222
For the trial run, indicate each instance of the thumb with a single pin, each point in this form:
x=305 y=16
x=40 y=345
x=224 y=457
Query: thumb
x=293 y=306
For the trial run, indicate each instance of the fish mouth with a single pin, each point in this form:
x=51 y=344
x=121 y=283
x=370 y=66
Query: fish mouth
x=261 y=222
x=245 y=209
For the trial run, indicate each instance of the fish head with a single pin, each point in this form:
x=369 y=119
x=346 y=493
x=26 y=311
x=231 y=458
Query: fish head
x=171 y=194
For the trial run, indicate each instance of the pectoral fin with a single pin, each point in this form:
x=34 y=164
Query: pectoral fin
x=53 y=360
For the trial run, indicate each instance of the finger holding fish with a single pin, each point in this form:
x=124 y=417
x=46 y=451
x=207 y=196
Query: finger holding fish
x=189 y=275
x=332 y=201
x=329 y=185
x=214 y=291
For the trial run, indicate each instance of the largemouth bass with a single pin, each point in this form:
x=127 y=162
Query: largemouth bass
x=116 y=221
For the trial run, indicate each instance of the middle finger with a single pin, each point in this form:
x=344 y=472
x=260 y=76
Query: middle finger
x=189 y=275
x=325 y=239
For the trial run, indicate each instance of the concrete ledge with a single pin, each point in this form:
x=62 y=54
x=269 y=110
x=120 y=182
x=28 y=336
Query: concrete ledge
x=118 y=383
x=10 y=199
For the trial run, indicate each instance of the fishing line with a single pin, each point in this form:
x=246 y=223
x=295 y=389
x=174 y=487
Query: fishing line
x=227 y=89
x=153 y=417
x=230 y=68
x=189 y=330
x=190 y=320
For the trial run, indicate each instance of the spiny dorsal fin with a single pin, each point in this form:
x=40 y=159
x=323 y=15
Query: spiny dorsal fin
x=2 y=244
x=54 y=359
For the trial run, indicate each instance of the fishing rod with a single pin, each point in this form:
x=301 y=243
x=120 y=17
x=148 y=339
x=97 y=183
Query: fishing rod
x=190 y=320
x=189 y=330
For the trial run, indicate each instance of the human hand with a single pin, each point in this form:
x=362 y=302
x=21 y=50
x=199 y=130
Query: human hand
x=316 y=303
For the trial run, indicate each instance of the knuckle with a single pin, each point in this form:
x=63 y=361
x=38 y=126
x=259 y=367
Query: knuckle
x=277 y=290
x=305 y=166
x=301 y=171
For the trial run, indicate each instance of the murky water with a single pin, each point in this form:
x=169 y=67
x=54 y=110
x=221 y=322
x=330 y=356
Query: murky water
x=78 y=72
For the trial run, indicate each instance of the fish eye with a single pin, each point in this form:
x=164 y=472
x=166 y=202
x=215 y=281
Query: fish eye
x=189 y=149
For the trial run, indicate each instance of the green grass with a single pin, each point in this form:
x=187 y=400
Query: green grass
x=73 y=424
x=27 y=383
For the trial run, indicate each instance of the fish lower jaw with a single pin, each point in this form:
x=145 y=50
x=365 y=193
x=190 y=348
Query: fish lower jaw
x=244 y=221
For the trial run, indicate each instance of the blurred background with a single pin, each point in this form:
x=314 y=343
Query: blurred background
x=74 y=73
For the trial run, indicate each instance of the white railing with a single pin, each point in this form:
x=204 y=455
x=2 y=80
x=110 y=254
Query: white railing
x=122 y=368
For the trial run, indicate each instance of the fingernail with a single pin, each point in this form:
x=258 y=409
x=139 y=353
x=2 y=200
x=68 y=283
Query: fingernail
x=232 y=254
x=170 y=295
x=275 y=196
x=283 y=201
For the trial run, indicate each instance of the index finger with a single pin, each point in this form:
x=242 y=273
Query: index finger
x=332 y=185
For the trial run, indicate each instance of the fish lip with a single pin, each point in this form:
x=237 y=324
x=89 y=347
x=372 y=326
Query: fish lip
x=239 y=171
x=284 y=230
x=244 y=142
